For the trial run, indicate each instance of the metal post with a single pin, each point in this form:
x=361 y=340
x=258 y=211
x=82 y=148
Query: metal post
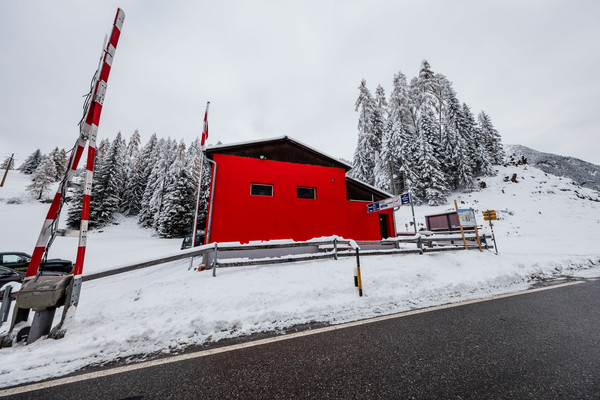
x=492 y=228
x=215 y=261
x=42 y=322
x=460 y=225
x=335 y=257
x=204 y=134
x=413 y=211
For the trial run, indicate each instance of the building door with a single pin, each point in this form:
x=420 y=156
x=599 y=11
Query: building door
x=383 y=226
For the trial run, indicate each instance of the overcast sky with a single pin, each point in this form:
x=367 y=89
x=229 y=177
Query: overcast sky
x=273 y=68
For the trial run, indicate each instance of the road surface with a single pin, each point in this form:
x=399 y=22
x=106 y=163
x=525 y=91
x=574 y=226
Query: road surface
x=538 y=345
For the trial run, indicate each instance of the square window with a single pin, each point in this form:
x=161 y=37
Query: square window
x=306 y=193
x=261 y=190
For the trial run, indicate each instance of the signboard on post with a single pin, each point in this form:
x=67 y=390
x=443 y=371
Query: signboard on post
x=392 y=202
x=467 y=217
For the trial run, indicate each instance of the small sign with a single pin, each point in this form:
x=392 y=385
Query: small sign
x=404 y=198
x=392 y=202
x=489 y=215
x=467 y=217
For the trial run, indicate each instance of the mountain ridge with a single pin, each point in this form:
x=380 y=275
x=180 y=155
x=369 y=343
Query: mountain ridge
x=582 y=172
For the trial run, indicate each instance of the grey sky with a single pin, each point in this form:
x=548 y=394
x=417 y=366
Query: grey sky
x=272 y=68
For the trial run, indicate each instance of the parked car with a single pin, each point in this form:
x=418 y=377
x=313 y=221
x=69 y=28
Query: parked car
x=20 y=261
x=187 y=241
x=10 y=275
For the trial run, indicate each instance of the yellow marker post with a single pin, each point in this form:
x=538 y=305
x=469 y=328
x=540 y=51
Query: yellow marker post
x=358 y=274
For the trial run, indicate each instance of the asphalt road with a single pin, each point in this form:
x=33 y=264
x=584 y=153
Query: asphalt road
x=539 y=345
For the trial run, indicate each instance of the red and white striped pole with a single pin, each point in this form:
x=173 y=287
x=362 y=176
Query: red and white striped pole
x=90 y=127
x=88 y=131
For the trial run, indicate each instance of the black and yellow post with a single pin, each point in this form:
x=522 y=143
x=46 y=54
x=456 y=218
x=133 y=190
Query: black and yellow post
x=358 y=281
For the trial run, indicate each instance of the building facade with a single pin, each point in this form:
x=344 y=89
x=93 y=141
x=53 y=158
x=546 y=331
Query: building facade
x=282 y=189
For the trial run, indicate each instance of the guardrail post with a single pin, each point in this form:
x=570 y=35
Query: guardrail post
x=215 y=261
x=335 y=257
x=420 y=244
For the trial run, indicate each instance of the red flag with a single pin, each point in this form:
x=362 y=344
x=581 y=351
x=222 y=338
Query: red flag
x=205 y=129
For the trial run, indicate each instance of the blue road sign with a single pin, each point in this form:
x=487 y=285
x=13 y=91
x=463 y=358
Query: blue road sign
x=405 y=198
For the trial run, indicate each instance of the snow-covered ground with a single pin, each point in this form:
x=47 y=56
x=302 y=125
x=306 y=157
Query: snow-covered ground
x=548 y=227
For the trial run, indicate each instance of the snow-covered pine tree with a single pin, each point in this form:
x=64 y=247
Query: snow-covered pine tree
x=492 y=139
x=31 y=163
x=132 y=171
x=60 y=161
x=456 y=164
x=5 y=163
x=193 y=164
x=381 y=171
x=42 y=178
x=156 y=187
x=480 y=159
x=133 y=195
x=402 y=136
x=177 y=213
x=107 y=186
x=102 y=149
x=430 y=186
x=364 y=155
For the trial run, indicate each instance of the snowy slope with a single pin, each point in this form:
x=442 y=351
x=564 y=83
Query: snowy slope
x=582 y=172
x=548 y=227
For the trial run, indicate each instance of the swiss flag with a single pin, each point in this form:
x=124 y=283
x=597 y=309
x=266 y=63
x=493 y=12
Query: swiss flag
x=205 y=129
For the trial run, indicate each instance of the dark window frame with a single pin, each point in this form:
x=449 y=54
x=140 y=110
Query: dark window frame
x=314 y=192
x=259 y=186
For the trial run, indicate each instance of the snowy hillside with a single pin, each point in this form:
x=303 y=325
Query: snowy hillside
x=548 y=227
x=582 y=172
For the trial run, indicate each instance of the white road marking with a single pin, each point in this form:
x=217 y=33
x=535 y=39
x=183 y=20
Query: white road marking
x=260 y=342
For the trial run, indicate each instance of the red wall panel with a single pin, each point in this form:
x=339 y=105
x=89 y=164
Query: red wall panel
x=239 y=216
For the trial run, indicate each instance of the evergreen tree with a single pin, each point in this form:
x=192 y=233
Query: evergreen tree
x=194 y=158
x=31 y=163
x=177 y=213
x=42 y=178
x=4 y=164
x=152 y=202
x=132 y=164
x=133 y=196
x=430 y=186
x=102 y=149
x=108 y=184
x=368 y=140
x=492 y=139
x=60 y=162
x=74 y=202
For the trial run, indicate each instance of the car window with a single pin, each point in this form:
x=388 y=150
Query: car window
x=5 y=272
x=13 y=258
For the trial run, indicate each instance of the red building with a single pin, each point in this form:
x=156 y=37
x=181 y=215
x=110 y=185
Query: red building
x=282 y=189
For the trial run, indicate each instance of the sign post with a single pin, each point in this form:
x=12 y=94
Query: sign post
x=393 y=202
x=462 y=232
x=490 y=215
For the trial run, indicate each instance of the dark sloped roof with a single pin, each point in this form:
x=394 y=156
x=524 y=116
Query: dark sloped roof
x=283 y=149
x=359 y=190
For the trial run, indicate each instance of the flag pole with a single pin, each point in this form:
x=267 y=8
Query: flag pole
x=204 y=136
